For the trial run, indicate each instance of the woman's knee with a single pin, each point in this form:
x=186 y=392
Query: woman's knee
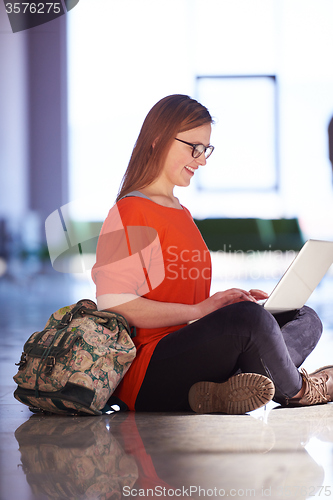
x=313 y=322
x=252 y=317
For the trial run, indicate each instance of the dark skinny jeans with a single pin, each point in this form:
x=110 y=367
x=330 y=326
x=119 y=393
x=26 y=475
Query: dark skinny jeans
x=240 y=337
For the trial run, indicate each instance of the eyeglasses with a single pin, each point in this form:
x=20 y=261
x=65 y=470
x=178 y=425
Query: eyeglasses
x=198 y=149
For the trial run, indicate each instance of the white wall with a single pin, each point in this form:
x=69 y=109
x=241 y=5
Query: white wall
x=13 y=121
x=125 y=55
x=33 y=130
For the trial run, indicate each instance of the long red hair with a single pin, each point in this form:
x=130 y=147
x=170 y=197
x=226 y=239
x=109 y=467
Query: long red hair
x=169 y=116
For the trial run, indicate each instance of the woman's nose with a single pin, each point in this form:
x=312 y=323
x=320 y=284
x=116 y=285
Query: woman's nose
x=201 y=160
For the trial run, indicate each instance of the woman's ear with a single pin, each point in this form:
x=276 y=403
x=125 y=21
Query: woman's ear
x=154 y=142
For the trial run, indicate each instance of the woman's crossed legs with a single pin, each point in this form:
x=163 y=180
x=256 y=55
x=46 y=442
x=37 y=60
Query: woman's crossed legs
x=240 y=337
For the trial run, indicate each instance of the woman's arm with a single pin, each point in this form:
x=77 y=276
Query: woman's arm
x=146 y=313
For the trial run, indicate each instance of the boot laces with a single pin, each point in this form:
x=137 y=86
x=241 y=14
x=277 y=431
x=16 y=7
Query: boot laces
x=316 y=391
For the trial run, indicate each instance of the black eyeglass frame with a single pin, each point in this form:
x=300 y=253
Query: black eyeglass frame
x=194 y=146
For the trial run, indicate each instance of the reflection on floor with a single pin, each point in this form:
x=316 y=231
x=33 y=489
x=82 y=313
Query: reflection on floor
x=272 y=452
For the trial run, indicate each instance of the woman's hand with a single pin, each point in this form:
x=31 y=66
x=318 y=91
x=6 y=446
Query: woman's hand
x=259 y=294
x=231 y=296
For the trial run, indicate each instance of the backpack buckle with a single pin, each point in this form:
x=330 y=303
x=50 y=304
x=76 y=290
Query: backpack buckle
x=49 y=364
x=66 y=319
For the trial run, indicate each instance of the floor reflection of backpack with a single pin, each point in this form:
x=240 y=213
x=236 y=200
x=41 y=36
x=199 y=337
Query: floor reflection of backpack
x=74 y=458
x=74 y=364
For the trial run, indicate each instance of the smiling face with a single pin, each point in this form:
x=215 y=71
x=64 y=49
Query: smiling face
x=180 y=166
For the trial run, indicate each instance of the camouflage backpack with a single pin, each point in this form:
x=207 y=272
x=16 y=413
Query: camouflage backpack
x=74 y=364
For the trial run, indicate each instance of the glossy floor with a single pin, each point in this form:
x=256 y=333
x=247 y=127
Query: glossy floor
x=272 y=452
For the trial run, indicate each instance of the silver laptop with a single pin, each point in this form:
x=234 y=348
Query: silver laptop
x=302 y=277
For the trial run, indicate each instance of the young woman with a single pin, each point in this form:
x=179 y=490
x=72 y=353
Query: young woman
x=219 y=353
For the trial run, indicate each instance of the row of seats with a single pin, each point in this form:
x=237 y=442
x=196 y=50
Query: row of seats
x=231 y=235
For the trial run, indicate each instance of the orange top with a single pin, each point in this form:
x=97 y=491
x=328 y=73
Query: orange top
x=155 y=252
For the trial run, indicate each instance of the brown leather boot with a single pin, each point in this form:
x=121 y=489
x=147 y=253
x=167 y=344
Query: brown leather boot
x=318 y=387
x=239 y=394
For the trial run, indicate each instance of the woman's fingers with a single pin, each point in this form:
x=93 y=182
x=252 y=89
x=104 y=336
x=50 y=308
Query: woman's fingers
x=234 y=295
x=258 y=294
x=228 y=297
